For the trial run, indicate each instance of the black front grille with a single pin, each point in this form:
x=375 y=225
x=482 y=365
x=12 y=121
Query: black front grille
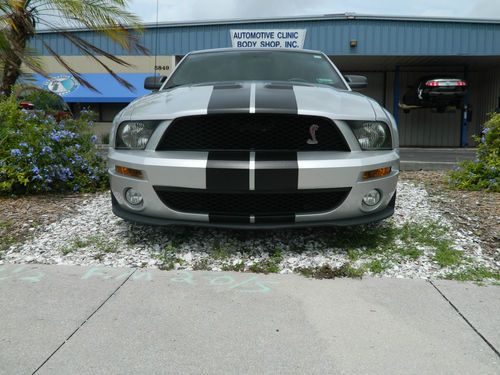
x=251 y=202
x=252 y=132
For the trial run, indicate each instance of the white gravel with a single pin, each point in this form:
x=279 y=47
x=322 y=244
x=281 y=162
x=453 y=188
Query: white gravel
x=96 y=236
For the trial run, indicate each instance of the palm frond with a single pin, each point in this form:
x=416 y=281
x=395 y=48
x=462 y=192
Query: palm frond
x=72 y=71
x=109 y=17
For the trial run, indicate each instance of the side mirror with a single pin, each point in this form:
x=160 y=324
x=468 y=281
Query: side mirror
x=357 y=82
x=154 y=83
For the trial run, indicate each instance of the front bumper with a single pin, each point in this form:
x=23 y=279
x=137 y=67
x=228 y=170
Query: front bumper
x=316 y=170
x=148 y=220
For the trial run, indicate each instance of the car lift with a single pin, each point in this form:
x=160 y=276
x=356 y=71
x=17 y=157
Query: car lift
x=465 y=117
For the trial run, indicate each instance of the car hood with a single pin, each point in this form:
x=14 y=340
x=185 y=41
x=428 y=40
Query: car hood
x=254 y=97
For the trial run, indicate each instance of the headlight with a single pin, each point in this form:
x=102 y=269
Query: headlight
x=372 y=135
x=134 y=135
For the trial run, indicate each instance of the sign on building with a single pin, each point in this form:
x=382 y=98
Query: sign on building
x=289 y=38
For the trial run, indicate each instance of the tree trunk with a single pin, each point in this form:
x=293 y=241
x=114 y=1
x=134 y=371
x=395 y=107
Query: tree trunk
x=11 y=72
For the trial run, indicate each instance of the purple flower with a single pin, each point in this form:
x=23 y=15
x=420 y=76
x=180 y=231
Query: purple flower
x=35 y=170
x=15 y=152
x=46 y=150
x=93 y=139
x=23 y=144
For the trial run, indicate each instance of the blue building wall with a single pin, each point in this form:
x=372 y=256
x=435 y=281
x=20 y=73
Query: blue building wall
x=375 y=37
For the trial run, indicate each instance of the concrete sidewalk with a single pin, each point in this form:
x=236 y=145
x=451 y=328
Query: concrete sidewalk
x=77 y=320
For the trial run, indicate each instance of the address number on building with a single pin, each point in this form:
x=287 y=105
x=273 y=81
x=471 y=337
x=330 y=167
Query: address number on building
x=162 y=67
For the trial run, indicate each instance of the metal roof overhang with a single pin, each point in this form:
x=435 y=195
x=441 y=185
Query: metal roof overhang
x=414 y=63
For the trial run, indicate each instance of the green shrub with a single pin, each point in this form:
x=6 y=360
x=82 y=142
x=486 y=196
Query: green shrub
x=484 y=172
x=39 y=154
x=45 y=101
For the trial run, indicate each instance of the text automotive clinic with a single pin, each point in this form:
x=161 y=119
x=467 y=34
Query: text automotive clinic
x=268 y=38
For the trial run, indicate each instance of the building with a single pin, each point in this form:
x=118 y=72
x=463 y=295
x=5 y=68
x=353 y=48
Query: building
x=393 y=52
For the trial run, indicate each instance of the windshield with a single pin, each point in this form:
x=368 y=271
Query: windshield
x=255 y=66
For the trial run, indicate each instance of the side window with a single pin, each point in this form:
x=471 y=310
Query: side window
x=178 y=59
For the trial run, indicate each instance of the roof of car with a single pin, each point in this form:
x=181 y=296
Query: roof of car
x=233 y=49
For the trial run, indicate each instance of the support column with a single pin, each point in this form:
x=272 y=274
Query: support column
x=396 y=95
x=464 y=124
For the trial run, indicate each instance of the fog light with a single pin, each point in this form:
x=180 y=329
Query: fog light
x=372 y=198
x=133 y=197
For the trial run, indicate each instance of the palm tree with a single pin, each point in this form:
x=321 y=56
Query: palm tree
x=20 y=18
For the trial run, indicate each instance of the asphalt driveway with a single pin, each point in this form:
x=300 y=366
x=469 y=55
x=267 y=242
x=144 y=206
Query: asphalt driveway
x=80 y=320
x=433 y=159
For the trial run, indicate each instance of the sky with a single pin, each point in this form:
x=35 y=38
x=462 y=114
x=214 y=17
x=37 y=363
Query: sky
x=189 y=10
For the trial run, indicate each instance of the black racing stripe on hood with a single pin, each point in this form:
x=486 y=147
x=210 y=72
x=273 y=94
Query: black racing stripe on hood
x=229 y=99
x=228 y=170
x=275 y=98
x=276 y=170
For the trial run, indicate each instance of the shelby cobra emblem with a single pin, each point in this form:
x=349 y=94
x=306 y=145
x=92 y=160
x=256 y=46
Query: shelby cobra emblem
x=312 y=131
x=254 y=138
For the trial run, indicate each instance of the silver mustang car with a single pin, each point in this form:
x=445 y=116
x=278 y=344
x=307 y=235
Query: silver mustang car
x=254 y=138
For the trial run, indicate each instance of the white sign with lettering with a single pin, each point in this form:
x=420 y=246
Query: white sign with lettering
x=290 y=38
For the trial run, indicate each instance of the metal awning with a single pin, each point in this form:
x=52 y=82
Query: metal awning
x=110 y=91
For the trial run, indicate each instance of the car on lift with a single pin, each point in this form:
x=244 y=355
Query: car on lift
x=439 y=92
x=254 y=138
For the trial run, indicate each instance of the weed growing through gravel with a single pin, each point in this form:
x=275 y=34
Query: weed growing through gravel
x=472 y=273
x=7 y=238
x=445 y=256
x=202 y=265
x=238 y=267
x=370 y=249
x=180 y=237
x=377 y=266
x=168 y=258
x=269 y=265
x=391 y=244
x=327 y=272
x=4 y=225
x=218 y=251
x=100 y=243
x=371 y=238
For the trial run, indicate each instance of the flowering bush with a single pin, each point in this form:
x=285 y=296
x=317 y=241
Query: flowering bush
x=39 y=154
x=484 y=172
